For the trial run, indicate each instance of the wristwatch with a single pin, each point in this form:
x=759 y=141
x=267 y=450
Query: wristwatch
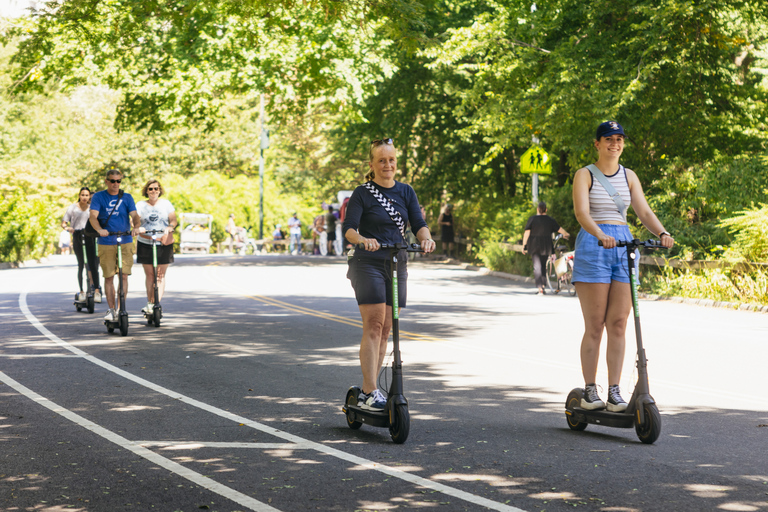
x=665 y=233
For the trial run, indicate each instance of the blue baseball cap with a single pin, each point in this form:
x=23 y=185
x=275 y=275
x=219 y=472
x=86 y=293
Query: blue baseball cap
x=609 y=128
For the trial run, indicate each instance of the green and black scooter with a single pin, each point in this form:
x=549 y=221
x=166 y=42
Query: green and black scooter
x=122 y=312
x=395 y=415
x=85 y=299
x=641 y=412
x=157 y=312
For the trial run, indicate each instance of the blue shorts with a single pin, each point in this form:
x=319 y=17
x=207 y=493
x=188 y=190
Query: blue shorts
x=593 y=264
x=372 y=280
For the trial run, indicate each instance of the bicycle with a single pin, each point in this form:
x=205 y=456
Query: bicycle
x=559 y=269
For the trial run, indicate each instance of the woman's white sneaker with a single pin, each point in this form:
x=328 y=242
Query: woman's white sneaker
x=615 y=402
x=591 y=400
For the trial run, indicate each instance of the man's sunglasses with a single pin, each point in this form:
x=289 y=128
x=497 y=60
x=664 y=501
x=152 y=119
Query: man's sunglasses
x=379 y=142
x=114 y=181
x=153 y=188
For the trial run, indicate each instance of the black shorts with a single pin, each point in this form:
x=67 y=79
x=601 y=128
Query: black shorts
x=144 y=254
x=372 y=280
x=331 y=236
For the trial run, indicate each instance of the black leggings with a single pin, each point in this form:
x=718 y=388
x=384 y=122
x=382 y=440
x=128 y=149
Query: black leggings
x=539 y=267
x=93 y=259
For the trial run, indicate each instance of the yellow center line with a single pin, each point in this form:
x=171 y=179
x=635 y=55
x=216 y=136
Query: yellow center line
x=327 y=316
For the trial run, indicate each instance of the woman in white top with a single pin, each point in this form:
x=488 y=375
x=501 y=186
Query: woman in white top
x=156 y=215
x=600 y=274
x=74 y=221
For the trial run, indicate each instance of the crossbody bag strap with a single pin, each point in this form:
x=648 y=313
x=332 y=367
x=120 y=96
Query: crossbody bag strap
x=598 y=174
x=387 y=205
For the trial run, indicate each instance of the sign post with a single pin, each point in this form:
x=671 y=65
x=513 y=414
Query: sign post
x=535 y=161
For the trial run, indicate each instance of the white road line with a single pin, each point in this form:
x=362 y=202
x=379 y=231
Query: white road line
x=28 y=356
x=151 y=456
x=359 y=461
x=194 y=445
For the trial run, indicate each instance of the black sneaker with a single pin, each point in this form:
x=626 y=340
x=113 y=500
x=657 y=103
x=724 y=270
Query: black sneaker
x=591 y=400
x=615 y=402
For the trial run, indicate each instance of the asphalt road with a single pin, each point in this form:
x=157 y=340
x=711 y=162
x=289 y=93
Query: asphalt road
x=235 y=402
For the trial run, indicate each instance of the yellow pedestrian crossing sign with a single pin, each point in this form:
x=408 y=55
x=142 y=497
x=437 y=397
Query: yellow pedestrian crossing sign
x=535 y=160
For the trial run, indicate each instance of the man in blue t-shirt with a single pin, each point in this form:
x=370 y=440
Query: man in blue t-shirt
x=105 y=220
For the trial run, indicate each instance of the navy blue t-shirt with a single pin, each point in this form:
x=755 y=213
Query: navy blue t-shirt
x=120 y=221
x=366 y=215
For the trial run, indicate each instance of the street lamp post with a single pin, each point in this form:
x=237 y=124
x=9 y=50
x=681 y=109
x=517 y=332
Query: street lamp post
x=264 y=144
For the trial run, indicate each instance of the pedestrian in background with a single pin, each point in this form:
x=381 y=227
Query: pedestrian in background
x=537 y=240
x=445 y=221
x=294 y=230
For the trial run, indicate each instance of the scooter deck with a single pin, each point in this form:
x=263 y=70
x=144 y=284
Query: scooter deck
x=603 y=417
x=366 y=416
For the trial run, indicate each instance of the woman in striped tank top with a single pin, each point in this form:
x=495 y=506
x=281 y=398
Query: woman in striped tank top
x=600 y=274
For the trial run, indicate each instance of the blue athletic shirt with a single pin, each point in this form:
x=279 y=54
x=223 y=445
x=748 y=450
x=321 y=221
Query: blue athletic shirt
x=103 y=202
x=366 y=215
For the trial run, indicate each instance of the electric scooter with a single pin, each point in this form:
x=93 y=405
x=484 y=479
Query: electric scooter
x=122 y=312
x=85 y=299
x=157 y=311
x=395 y=414
x=641 y=412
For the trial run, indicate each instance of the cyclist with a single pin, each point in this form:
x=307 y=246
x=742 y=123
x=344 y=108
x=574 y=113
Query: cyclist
x=74 y=221
x=114 y=210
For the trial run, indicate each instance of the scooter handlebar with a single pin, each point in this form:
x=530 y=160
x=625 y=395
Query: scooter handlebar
x=397 y=247
x=119 y=233
x=650 y=243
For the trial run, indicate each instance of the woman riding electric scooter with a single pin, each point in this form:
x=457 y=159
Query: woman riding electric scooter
x=155 y=254
x=74 y=221
x=377 y=213
x=602 y=193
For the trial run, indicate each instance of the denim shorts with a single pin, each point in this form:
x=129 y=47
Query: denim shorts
x=372 y=280
x=594 y=264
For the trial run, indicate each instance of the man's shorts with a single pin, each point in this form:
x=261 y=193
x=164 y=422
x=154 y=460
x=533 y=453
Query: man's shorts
x=108 y=259
x=331 y=236
x=372 y=280
x=144 y=254
x=594 y=264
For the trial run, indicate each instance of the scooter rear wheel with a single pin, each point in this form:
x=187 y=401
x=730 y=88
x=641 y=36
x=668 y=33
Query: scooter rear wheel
x=573 y=401
x=352 y=400
x=648 y=431
x=400 y=425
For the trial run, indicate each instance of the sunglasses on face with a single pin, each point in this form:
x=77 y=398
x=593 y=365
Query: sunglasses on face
x=153 y=188
x=379 y=142
x=115 y=181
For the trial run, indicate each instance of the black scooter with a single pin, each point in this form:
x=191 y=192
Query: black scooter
x=395 y=415
x=157 y=311
x=122 y=312
x=641 y=412
x=85 y=299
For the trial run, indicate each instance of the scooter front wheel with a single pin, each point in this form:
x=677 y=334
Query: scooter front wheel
x=89 y=303
x=123 y=323
x=352 y=400
x=400 y=424
x=649 y=430
x=157 y=314
x=573 y=401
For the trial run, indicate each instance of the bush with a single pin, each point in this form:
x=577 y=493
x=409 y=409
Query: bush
x=28 y=229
